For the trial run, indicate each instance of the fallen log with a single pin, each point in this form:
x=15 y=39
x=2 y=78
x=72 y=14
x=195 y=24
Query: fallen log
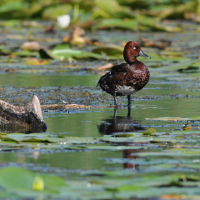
x=65 y=106
x=23 y=119
x=70 y=106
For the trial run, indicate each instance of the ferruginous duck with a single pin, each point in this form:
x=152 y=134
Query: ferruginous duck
x=126 y=78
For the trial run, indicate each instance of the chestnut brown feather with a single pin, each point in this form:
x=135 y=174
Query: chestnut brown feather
x=126 y=78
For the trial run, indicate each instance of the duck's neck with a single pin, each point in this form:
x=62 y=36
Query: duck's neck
x=132 y=60
x=129 y=58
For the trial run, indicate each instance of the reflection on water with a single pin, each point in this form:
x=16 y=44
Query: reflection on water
x=23 y=127
x=130 y=154
x=118 y=124
x=123 y=124
x=9 y=128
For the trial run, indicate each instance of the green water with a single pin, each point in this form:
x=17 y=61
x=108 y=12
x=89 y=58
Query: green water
x=39 y=80
x=86 y=152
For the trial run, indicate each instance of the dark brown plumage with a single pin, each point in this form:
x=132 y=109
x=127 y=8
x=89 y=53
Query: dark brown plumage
x=126 y=78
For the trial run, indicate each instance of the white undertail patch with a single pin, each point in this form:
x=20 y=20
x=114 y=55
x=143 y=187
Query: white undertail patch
x=126 y=90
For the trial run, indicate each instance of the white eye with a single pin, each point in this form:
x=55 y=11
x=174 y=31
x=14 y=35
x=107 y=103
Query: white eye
x=134 y=47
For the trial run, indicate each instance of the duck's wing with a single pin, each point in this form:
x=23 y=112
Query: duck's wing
x=119 y=68
x=114 y=70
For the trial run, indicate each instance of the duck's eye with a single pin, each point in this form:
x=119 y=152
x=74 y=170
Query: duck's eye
x=134 y=47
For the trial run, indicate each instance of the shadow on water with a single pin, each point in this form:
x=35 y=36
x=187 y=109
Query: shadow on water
x=126 y=124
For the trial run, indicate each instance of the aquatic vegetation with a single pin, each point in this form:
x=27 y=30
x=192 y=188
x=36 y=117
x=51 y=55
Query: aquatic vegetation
x=88 y=152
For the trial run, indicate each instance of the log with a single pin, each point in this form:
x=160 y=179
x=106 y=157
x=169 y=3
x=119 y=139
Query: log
x=70 y=106
x=64 y=106
x=23 y=119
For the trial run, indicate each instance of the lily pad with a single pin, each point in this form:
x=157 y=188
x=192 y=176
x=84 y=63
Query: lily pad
x=117 y=23
x=149 y=132
x=173 y=119
x=123 y=135
x=13 y=6
x=117 y=10
x=34 y=137
x=21 y=182
x=109 y=50
x=53 y=12
x=66 y=52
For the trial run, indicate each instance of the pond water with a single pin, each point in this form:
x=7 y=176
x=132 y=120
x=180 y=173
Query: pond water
x=160 y=98
x=84 y=146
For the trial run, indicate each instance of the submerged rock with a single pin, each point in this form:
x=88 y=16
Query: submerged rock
x=23 y=119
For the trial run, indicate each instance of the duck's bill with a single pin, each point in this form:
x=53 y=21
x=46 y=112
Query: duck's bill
x=141 y=53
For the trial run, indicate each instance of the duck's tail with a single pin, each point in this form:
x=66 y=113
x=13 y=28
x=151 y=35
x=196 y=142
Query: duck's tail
x=98 y=84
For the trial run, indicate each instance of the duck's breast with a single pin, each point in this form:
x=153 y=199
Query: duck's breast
x=140 y=75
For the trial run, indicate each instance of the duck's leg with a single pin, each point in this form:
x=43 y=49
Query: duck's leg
x=129 y=112
x=115 y=113
x=115 y=99
x=129 y=100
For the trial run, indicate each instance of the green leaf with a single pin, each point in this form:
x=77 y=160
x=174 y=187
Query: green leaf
x=110 y=50
x=53 y=182
x=25 y=53
x=66 y=52
x=11 y=6
x=117 y=10
x=63 y=50
x=189 y=178
x=117 y=23
x=33 y=137
x=25 y=182
x=13 y=178
x=149 y=132
x=52 y=12
x=123 y=135
x=174 y=119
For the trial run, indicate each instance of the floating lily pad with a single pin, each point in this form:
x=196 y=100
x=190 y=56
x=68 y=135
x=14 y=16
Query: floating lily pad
x=109 y=50
x=34 y=137
x=53 y=12
x=13 y=6
x=173 y=119
x=117 y=10
x=149 y=132
x=21 y=182
x=123 y=135
x=66 y=52
x=25 y=53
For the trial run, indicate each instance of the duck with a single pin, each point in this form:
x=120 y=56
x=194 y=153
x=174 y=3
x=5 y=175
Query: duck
x=126 y=78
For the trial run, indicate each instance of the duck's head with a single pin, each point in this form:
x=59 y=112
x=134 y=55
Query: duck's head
x=131 y=50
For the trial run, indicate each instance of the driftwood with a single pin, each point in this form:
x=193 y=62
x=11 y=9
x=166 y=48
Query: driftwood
x=70 y=106
x=23 y=119
x=59 y=106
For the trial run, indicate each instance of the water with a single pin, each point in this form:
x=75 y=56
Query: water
x=161 y=98
x=93 y=161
